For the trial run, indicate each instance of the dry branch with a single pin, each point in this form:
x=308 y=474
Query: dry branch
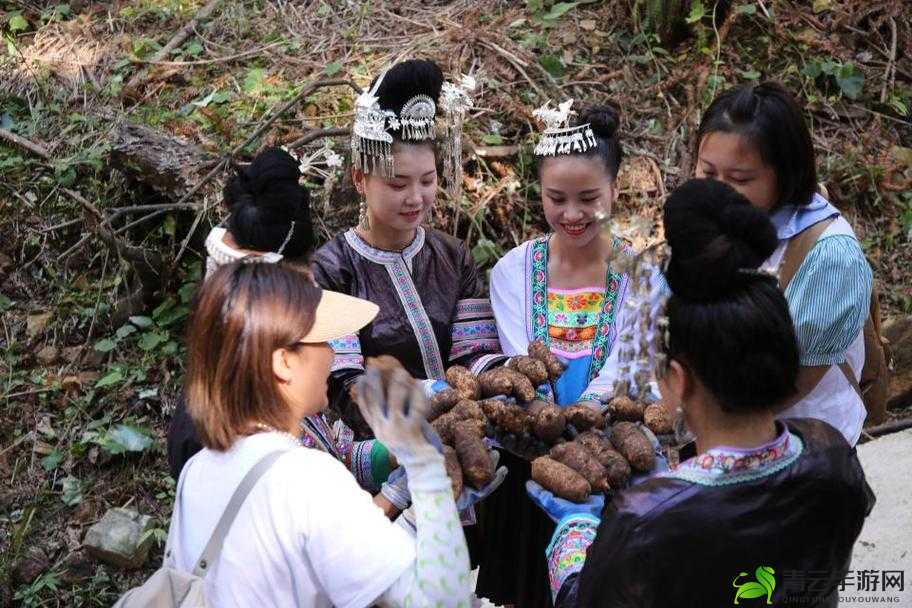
x=176 y=40
x=36 y=149
x=317 y=134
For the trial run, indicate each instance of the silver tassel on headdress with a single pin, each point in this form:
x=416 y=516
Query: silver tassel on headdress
x=559 y=137
x=456 y=100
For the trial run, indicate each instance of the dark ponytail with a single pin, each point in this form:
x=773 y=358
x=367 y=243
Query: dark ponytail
x=729 y=323
x=264 y=199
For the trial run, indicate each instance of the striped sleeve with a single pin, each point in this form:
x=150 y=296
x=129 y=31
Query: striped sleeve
x=829 y=299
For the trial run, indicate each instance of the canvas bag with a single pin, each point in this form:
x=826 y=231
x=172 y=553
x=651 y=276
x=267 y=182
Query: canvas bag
x=873 y=387
x=173 y=588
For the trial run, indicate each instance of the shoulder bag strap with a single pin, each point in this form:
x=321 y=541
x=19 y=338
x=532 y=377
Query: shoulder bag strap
x=214 y=546
x=797 y=250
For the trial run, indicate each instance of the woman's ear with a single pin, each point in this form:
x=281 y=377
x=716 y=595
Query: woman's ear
x=358 y=179
x=678 y=382
x=281 y=366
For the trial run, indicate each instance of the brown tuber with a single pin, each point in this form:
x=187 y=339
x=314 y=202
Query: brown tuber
x=506 y=416
x=445 y=425
x=560 y=479
x=466 y=409
x=583 y=417
x=629 y=440
x=495 y=382
x=522 y=387
x=539 y=350
x=616 y=466
x=549 y=423
x=453 y=469
x=533 y=369
x=625 y=409
x=581 y=460
x=464 y=382
x=443 y=402
x=658 y=419
x=477 y=466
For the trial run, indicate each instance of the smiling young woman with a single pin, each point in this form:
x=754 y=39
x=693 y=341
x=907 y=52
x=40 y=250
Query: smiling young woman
x=557 y=288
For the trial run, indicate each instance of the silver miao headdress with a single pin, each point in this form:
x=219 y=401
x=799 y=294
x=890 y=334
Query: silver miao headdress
x=456 y=100
x=559 y=137
x=372 y=143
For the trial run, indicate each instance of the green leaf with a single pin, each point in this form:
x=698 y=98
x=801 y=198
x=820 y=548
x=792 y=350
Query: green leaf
x=552 y=64
x=72 y=491
x=122 y=438
x=750 y=74
x=52 y=460
x=124 y=331
x=751 y=590
x=765 y=577
x=697 y=12
x=254 y=81
x=106 y=345
x=812 y=69
x=5 y=303
x=559 y=10
x=485 y=252
x=333 y=68
x=850 y=80
x=535 y=6
x=492 y=139
x=109 y=379
x=17 y=23
x=186 y=292
x=152 y=339
x=193 y=49
x=141 y=322
x=746 y=9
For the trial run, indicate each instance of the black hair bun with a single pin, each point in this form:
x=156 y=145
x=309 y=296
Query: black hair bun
x=603 y=119
x=264 y=198
x=713 y=232
x=407 y=79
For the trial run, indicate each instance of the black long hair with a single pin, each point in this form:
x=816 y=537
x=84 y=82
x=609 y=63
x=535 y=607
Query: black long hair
x=264 y=199
x=770 y=119
x=729 y=324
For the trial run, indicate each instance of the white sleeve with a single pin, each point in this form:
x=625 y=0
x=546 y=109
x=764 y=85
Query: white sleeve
x=507 y=293
x=355 y=550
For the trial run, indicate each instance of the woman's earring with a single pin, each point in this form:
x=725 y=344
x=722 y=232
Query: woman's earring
x=363 y=220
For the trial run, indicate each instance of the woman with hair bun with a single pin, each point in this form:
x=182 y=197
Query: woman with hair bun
x=763 y=497
x=558 y=289
x=269 y=221
x=270 y=213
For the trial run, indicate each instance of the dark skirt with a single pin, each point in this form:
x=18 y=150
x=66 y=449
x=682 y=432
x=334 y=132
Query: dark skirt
x=512 y=535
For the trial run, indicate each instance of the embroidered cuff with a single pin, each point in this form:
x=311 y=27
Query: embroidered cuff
x=566 y=553
x=347 y=351
x=361 y=465
x=380 y=463
x=473 y=308
x=397 y=494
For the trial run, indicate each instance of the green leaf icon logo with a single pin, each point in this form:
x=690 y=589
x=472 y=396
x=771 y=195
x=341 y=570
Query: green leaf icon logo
x=763 y=586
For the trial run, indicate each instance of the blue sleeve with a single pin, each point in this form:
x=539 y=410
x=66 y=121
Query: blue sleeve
x=829 y=299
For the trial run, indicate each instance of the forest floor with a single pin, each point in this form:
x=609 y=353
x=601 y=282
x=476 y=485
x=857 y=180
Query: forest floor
x=98 y=259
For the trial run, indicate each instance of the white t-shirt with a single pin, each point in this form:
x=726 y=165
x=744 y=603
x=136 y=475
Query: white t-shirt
x=307 y=535
x=833 y=400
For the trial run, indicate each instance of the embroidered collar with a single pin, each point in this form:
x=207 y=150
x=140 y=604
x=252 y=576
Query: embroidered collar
x=790 y=220
x=605 y=333
x=315 y=433
x=383 y=256
x=725 y=465
x=219 y=251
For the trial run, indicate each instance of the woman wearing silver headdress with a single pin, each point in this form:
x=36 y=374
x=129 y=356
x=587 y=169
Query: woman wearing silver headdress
x=434 y=311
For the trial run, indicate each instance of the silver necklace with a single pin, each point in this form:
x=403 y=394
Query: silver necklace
x=271 y=429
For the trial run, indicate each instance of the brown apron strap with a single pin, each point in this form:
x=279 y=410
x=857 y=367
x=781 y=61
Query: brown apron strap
x=797 y=249
x=850 y=376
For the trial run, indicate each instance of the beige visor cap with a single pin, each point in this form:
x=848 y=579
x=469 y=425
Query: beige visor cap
x=338 y=315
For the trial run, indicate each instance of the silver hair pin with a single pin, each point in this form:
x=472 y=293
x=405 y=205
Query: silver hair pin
x=559 y=137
